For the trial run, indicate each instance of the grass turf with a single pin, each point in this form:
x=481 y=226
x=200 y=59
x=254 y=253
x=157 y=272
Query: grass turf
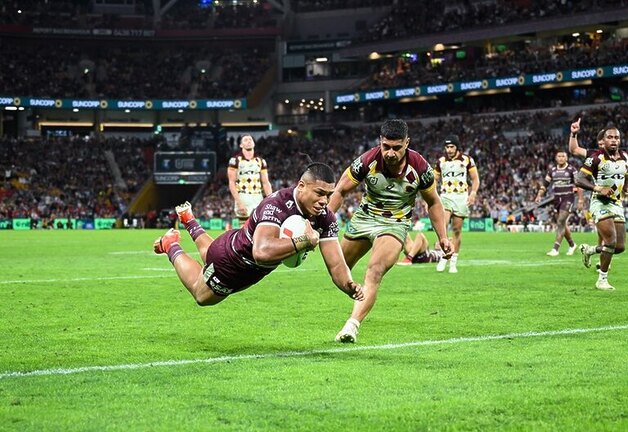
x=265 y=359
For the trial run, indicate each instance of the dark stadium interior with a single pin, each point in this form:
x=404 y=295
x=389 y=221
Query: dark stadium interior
x=91 y=90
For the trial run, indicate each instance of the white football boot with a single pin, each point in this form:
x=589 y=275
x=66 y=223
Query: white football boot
x=572 y=249
x=349 y=332
x=440 y=267
x=553 y=252
x=587 y=251
x=602 y=284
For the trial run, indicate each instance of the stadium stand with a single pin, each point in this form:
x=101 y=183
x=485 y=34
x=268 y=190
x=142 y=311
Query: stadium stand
x=95 y=174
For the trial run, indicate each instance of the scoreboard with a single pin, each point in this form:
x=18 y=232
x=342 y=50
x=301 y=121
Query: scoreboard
x=179 y=167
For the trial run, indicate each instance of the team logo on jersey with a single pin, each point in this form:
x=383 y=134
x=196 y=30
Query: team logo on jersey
x=356 y=165
x=372 y=181
x=289 y=204
x=390 y=187
x=428 y=176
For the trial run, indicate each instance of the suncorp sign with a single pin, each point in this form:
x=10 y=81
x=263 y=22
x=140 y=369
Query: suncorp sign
x=85 y=104
x=130 y=104
x=176 y=104
x=583 y=74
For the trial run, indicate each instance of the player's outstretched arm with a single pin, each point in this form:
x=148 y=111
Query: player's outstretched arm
x=338 y=269
x=345 y=185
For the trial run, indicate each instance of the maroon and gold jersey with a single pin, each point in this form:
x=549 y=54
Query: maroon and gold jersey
x=248 y=179
x=387 y=195
x=454 y=173
x=607 y=172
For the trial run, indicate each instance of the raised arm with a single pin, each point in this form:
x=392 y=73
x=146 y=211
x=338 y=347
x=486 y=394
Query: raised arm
x=574 y=147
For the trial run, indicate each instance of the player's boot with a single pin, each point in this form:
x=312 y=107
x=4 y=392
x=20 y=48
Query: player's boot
x=602 y=284
x=405 y=261
x=184 y=212
x=349 y=332
x=162 y=244
x=553 y=252
x=572 y=249
x=440 y=267
x=587 y=251
x=452 y=267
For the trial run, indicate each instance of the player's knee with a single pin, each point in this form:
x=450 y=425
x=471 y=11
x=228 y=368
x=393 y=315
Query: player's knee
x=376 y=271
x=609 y=248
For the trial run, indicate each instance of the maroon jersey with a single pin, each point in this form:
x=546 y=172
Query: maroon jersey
x=230 y=263
x=563 y=180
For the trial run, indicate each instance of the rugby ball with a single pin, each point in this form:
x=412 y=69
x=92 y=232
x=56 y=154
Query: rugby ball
x=292 y=227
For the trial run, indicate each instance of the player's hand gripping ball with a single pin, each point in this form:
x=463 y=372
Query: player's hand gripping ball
x=293 y=227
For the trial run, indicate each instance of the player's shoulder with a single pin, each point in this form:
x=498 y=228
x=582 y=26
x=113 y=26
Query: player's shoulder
x=277 y=207
x=234 y=160
x=416 y=160
x=371 y=154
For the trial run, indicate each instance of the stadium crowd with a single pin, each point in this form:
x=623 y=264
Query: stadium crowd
x=172 y=72
x=407 y=18
x=418 y=17
x=76 y=179
x=515 y=59
x=66 y=69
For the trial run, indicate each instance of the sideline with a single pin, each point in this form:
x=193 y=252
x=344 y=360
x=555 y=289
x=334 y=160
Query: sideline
x=293 y=354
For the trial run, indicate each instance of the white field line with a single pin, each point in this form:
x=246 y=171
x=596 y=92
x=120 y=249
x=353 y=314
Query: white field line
x=293 y=354
x=468 y=263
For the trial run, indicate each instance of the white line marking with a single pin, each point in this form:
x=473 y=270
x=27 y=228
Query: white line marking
x=288 y=354
x=81 y=279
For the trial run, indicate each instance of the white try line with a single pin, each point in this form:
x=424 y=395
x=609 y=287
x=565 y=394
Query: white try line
x=291 y=354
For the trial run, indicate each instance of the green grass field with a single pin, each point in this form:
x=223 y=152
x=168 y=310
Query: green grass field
x=97 y=334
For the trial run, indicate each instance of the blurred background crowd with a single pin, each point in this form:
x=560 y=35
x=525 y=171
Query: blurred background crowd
x=200 y=50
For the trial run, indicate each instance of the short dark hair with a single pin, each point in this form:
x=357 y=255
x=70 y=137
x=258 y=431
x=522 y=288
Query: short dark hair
x=601 y=134
x=319 y=171
x=394 y=129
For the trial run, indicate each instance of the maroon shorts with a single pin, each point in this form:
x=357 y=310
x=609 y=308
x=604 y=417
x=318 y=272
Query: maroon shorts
x=564 y=202
x=226 y=272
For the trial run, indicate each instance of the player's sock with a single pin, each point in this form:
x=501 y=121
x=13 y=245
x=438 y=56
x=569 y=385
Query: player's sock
x=174 y=251
x=557 y=245
x=419 y=257
x=194 y=228
x=454 y=259
x=570 y=242
x=602 y=275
